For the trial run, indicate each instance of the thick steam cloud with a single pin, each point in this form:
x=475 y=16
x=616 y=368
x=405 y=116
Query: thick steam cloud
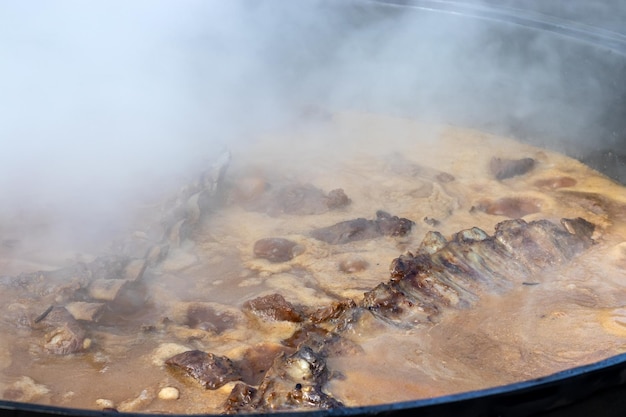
x=105 y=101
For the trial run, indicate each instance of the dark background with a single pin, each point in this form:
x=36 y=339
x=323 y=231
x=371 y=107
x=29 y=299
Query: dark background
x=604 y=14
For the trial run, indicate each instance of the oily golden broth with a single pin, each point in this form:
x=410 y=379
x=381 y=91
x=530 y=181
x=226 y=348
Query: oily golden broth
x=382 y=163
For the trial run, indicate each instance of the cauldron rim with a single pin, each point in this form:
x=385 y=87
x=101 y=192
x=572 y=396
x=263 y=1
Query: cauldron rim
x=526 y=398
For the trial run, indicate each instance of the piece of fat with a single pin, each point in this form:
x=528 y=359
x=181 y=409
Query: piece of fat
x=85 y=311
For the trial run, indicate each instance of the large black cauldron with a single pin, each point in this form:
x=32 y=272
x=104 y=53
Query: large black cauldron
x=541 y=79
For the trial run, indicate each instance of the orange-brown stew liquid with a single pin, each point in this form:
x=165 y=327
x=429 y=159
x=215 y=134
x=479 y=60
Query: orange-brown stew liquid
x=382 y=163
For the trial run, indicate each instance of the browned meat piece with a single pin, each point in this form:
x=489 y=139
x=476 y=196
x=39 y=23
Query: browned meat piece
x=210 y=370
x=273 y=307
x=512 y=207
x=293 y=382
x=454 y=272
x=508 y=168
x=307 y=199
x=113 y=279
x=258 y=359
x=64 y=335
x=240 y=399
x=81 y=310
x=579 y=227
x=327 y=343
x=431 y=222
x=348 y=231
x=335 y=345
x=308 y=332
x=64 y=283
x=275 y=249
x=337 y=199
x=361 y=229
x=432 y=242
x=202 y=316
x=443 y=274
x=595 y=203
x=393 y=225
x=299 y=200
x=331 y=312
x=65 y=340
x=542 y=243
x=391 y=305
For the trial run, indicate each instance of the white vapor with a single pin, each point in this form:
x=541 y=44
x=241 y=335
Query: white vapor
x=103 y=100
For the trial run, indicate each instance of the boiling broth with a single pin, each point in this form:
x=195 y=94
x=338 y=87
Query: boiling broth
x=382 y=163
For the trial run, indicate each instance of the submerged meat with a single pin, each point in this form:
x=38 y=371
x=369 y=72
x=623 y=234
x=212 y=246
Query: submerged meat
x=257 y=359
x=443 y=274
x=210 y=370
x=64 y=335
x=507 y=168
x=291 y=372
x=273 y=307
x=298 y=199
x=326 y=343
x=293 y=382
x=275 y=249
x=454 y=272
x=511 y=207
x=361 y=229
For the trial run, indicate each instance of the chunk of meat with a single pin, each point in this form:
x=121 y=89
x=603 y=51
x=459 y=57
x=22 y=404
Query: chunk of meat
x=273 y=307
x=541 y=243
x=361 y=229
x=307 y=333
x=210 y=370
x=293 y=382
x=301 y=200
x=456 y=272
x=327 y=343
x=511 y=207
x=298 y=199
x=337 y=199
x=257 y=359
x=389 y=304
x=64 y=334
x=240 y=399
x=64 y=340
x=331 y=312
x=275 y=249
x=502 y=169
x=204 y=317
x=81 y=310
x=443 y=274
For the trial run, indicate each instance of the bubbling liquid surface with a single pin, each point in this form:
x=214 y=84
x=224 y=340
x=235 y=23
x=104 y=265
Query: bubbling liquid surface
x=437 y=176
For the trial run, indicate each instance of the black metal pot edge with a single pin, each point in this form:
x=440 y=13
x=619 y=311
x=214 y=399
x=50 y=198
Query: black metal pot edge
x=550 y=393
x=585 y=33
